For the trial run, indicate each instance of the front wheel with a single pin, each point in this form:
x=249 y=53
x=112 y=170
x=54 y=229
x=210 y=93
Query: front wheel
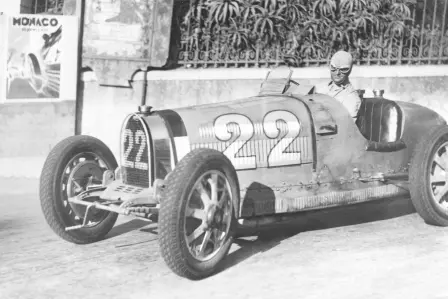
x=428 y=177
x=74 y=164
x=197 y=213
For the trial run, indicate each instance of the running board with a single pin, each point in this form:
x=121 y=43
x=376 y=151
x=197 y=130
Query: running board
x=280 y=205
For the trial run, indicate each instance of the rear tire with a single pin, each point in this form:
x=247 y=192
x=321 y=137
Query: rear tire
x=196 y=230
x=427 y=178
x=90 y=157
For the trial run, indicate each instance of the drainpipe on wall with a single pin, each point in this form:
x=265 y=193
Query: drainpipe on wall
x=80 y=6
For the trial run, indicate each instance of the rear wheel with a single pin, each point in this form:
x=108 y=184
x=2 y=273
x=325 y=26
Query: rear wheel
x=428 y=177
x=74 y=164
x=197 y=213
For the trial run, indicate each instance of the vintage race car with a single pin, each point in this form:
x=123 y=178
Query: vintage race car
x=44 y=66
x=206 y=171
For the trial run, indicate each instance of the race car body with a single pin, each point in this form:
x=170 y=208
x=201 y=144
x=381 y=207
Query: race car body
x=292 y=152
x=203 y=171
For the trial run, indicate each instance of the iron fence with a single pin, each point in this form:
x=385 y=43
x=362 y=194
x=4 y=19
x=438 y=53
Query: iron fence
x=422 y=40
x=47 y=7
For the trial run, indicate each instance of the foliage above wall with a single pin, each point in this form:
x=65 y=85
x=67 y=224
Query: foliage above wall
x=306 y=30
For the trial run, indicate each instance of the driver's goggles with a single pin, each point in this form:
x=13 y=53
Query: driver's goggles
x=343 y=70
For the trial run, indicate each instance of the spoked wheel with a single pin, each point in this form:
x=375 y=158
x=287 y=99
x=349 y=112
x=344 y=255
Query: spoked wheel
x=429 y=177
x=71 y=167
x=438 y=177
x=208 y=215
x=197 y=213
x=82 y=171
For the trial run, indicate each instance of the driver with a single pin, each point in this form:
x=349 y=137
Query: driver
x=340 y=87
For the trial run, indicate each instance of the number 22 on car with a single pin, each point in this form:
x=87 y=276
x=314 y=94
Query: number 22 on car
x=276 y=144
x=139 y=139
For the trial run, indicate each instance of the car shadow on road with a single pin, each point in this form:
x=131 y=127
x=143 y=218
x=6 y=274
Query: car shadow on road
x=134 y=224
x=271 y=236
x=126 y=227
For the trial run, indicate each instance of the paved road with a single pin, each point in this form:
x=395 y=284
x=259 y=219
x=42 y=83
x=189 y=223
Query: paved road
x=21 y=89
x=375 y=250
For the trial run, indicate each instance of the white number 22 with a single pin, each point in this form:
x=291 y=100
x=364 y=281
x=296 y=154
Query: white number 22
x=284 y=125
x=139 y=139
x=280 y=126
x=241 y=128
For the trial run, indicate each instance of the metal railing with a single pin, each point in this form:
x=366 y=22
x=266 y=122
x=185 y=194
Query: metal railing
x=48 y=7
x=423 y=39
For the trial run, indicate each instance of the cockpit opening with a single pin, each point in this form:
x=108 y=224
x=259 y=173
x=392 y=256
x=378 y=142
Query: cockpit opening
x=380 y=120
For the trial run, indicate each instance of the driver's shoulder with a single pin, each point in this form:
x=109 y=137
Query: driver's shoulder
x=351 y=92
x=350 y=88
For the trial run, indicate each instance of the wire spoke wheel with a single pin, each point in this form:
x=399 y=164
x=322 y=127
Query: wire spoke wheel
x=208 y=215
x=439 y=177
x=82 y=171
x=428 y=176
x=73 y=165
x=198 y=213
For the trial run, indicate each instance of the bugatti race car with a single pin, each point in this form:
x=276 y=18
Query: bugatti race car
x=204 y=172
x=44 y=66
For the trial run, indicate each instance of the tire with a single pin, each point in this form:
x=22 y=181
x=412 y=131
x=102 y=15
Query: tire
x=55 y=184
x=421 y=169
x=35 y=71
x=174 y=225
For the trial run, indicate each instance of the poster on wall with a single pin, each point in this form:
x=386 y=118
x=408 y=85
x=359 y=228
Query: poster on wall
x=121 y=36
x=40 y=57
x=115 y=28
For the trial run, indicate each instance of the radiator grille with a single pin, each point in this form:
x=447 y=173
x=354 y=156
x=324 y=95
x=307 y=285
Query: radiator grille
x=135 y=155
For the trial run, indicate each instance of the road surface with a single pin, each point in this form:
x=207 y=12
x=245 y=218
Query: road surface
x=376 y=250
x=21 y=89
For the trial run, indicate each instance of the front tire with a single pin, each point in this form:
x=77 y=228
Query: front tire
x=71 y=166
x=428 y=177
x=198 y=213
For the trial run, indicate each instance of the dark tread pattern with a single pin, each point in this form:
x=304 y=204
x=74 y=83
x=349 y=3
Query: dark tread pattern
x=49 y=181
x=170 y=211
x=419 y=175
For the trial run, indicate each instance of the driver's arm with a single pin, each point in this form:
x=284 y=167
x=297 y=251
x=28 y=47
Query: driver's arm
x=352 y=101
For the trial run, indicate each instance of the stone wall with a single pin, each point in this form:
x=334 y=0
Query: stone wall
x=27 y=133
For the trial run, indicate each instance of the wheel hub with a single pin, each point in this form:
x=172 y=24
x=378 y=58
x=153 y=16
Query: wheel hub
x=219 y=217
x=82 y=172
x=214 y=217
x=78 y=181
x=208 y=215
